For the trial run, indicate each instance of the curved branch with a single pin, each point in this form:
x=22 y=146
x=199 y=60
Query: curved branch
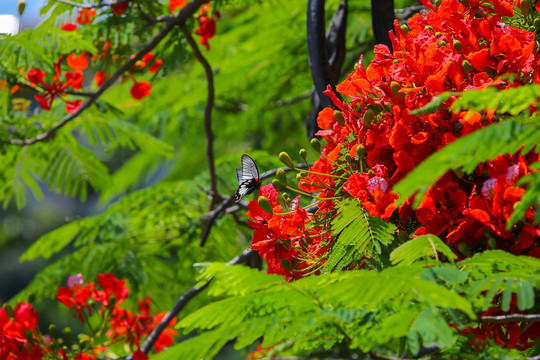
x=207 y=113
x=178 y=19
x=382 y=17
x=184 y=299
x=92 y=6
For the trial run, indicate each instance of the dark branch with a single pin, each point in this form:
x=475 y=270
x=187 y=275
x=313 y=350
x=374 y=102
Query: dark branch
x=92 y=6
x=178 y=19
x=207 y=113
x=183 y=300
x=382 y=16
x=501 y=319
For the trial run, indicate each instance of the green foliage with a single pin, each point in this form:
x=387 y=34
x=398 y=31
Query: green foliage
x=362 y=310
x=421 y=247
x=358 y=234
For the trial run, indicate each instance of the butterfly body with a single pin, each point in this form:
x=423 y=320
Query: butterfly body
x=248 y=178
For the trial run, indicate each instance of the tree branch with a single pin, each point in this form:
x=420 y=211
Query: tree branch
x=207 y=113
x=183 y=300
x=501 y=319
x=92 y=6
x=178 y=19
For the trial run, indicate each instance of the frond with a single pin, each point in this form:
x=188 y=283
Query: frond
x=359 y=234
x=421 y=247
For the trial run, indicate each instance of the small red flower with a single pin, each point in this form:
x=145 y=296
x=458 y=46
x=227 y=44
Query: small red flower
x=77 y=62
x=86 y=16
x=141 y=89
x=156 y=66
x=69 y=26
x=175 y=4
x=35 y=76
x=119 y=9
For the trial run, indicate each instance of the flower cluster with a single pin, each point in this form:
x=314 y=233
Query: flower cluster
x=207 y=24
x=372 y=141
x=20 y=337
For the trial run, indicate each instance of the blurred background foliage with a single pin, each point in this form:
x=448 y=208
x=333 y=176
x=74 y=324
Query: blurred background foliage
x=120 y=189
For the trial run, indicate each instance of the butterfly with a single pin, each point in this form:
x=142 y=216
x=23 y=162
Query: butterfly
x=248 y=178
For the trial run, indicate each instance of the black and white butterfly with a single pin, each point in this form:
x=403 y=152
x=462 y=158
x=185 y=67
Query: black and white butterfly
x=248 y=178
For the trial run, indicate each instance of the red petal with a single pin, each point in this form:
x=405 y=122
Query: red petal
x=77 y=63
x=69 y=26
x=141 y=89
x=72 y=106
x=175 y=4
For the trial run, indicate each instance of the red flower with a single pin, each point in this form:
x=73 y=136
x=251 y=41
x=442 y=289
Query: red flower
x=74 y=79
x=86 y=16
x=75 y=297
x=156 y=66
x=69 y=26
x=99 y=77
x=119 y=9
x=175 y=4
x=77 y=62
x=35 y=76
x=141 y=89
x=84 y=356
x=111 y=286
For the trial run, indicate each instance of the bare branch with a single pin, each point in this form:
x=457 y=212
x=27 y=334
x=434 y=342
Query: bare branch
x=501 y=319
x=183 y=300
x=207 y=113
x=92 y=6
x=178 y=19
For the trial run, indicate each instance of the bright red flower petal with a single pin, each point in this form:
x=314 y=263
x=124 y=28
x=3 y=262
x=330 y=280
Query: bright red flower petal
x=77 y=62
x=141 y=89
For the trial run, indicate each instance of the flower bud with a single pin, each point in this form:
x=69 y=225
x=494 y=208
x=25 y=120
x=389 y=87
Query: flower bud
x=31 y=298
x=303 y=174
x=298 y=177
x=395 y=89
x=303 y=154
x=348 y=157
x=438 y=34
x=84 y=343
x=285 y=196
x=405 y=29
x=21 y=6
x=361 y=151
x=492 y=243
x=442 y=43
x=265 y=204
x=67 y=334
x=338 y=116
x=429 y=27
x=281 y=177
x=276 y=184
x=8 y=309
x=438 y=3
x=537 y=23
x=52 y=330
x=286 y=159
x=457 y=45
x=315 y=144
x=464 y=249
x=368 y=117
x=525 y=6
x=466 y=67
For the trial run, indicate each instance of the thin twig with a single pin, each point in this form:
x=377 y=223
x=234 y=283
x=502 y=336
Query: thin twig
x=92 y=6
x=207 y=113
x=183 y=300
x=178 y=19
x=501 y=319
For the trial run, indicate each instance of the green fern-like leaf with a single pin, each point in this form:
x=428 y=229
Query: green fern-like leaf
x=422 y=247
x=359 y=234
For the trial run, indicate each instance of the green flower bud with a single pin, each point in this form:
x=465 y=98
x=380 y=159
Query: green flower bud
x=442 y=43
x=298 y=177
x=303 y=154
x=525 y=6
x=281 y=177
x=60 y=342
x=429 y=27
x=464 y=249
x=8 y=309
x=395 y=89
x=285 y=196
x=438 y=3
x=315 y=144
x=21 y=6
x=438 y=34
x=492 y=243
x=31 y=298
x=405 y=29
x=457 y=45
x=395 y=61
x=67 y=334
x=348 y=157
x=402 y=236
x=52 y=330
x=265 y=204
x=286 y=159
x=276 y=184
x=303 y=174
x=537 y=23
x=338 y=116
x=361 y=151
x=368 y=117
x=466 y=67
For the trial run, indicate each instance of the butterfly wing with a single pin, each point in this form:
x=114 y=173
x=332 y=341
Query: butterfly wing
x=248 y=177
